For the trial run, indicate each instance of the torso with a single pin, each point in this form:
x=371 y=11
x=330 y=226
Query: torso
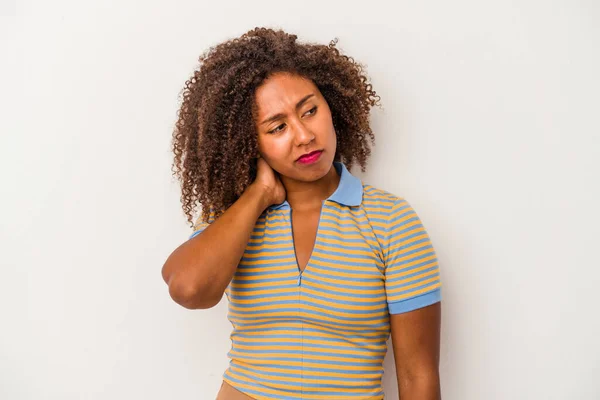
x=309 y=302
x=304 y=228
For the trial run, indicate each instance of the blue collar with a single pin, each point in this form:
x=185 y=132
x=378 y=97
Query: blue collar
x=348 y=193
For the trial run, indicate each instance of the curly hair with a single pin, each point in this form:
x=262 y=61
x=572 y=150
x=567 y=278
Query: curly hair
x=215 y=140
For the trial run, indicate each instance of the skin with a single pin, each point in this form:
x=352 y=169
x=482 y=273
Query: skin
x=416 y=346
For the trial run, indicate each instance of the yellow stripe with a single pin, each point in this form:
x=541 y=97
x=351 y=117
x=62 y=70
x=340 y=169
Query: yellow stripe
x=306 y=361
x=344 y=298
x=377 y=344
x=354 y=291
x=368 y=245
x=404 y=289
x=284 y=347
x=270 y=276
x=265 y=291
x=305 y=381
x=346 y=326
x=381 y=196
x=393 y=266
x=347 y=259
x=346 y=249
x=350 y=311
x=378 y=267
x=368 y=379
x=347 y=306
x=411 y=256
x=393 y=233
x=290 y=363
x=383 y=316
x=337 y=228
x=262 y=262
x=288 y=253
x=413 y=270
x=366 y=285
x=265 y=285
x=343 y=213
x=299 y=326
x=415 y=293
x=412 y=279
x=291 y=296
x=347 y=236
x=410 y=245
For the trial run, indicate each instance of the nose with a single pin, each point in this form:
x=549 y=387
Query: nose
x=302 y=134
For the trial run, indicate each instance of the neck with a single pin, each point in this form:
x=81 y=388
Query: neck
x=305 y=196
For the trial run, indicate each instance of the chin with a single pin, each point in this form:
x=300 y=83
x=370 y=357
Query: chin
x=314 y=173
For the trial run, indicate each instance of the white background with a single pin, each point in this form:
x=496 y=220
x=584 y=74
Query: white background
x=490 y=129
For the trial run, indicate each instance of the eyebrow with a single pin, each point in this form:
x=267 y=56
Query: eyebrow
x=280 y=115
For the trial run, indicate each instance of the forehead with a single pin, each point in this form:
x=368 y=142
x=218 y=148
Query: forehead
x=282 y=90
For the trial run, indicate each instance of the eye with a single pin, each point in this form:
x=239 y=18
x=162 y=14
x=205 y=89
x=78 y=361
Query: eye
x=312 y=111
x=277 y=128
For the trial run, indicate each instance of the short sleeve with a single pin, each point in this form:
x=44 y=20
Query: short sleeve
x=200 y=225
x=412 y=276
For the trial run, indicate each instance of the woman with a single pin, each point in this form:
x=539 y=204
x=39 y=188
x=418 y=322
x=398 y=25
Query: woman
x=318 y=267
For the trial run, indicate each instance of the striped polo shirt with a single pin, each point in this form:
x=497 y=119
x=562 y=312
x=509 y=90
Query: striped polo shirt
x=322 y=333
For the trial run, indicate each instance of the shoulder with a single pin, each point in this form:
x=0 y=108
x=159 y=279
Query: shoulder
x=200 y=224
x=389 y=212
x=379 y=200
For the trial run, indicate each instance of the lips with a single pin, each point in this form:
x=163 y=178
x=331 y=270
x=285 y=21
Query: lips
x=310 y=157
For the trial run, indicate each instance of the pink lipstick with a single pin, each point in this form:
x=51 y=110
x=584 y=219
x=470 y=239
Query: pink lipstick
x=310 y=158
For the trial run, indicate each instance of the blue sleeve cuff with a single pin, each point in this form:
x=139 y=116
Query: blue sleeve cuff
x=414 y=303
x=195 y=233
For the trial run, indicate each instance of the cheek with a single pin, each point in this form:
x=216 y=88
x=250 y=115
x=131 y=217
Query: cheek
x=328 y=131
x=273 y=148
x=326 y=122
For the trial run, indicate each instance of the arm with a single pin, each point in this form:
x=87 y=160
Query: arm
x=413 y=290
x=200 y=269
x=416 y=344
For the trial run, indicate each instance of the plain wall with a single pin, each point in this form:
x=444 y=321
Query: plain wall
x=489 y=128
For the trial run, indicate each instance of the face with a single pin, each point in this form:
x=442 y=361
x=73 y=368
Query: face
x=295 y=131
